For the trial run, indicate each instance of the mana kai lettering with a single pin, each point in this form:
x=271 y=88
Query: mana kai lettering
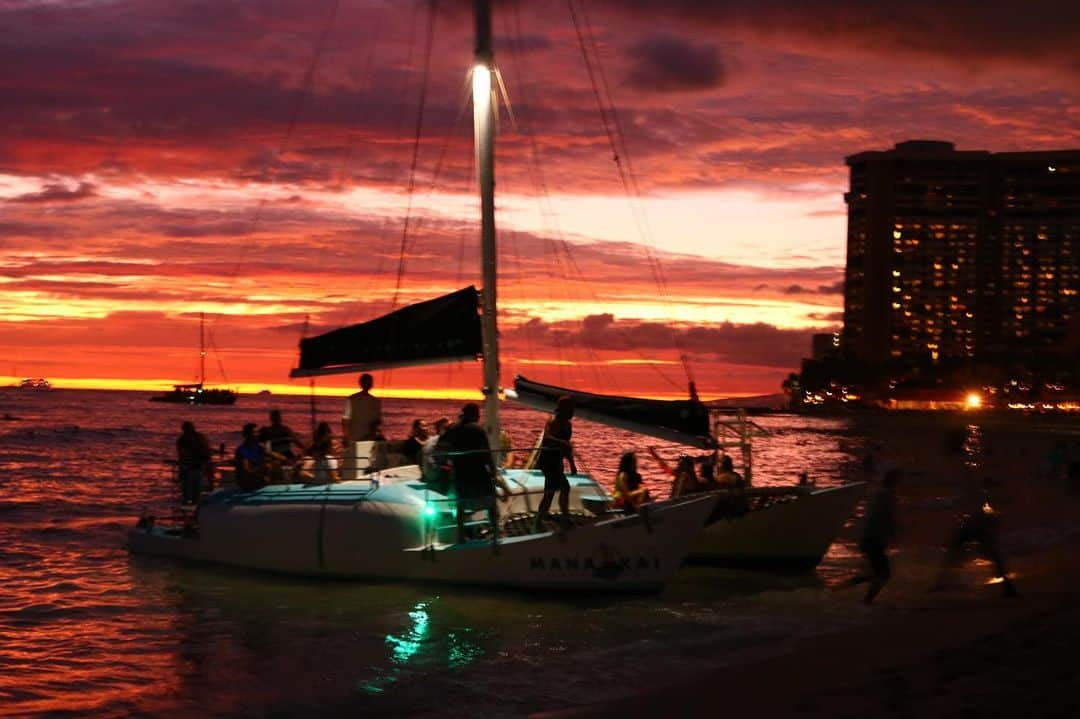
x=594 y=564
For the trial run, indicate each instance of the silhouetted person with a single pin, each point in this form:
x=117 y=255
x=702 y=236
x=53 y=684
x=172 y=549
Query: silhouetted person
x=879 y=528
x=434 y=467
x=684 y=479
x=727 y=477
x=251 y=458
x=414 y=445
x=362 y=414
x=978 y=523
x=193 y=462
x=554 y=449
x=280 y=436
x=629 y=494
x=475 y=477
x=323 y=468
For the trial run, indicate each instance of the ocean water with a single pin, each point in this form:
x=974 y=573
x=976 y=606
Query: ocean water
x=87 y=629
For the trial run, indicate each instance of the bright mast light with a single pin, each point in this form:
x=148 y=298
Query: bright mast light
x=973 y=400
x=481 y=91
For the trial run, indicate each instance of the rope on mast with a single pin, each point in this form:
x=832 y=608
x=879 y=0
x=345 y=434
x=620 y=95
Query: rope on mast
x=417 y=137
x=617 y=141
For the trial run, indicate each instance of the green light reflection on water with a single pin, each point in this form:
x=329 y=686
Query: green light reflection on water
x=408 y=646
x=419 y=646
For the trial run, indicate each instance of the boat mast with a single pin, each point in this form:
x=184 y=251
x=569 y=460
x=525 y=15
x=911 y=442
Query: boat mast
x=484 y=140
x=202 y=350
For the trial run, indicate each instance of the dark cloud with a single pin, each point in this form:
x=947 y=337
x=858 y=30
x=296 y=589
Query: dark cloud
x=964 y=31
x=835 y=288
x=749 y=344
x=664 y=63
x=57 y=193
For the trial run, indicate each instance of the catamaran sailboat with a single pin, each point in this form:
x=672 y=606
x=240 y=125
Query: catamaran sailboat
x=389 y=523
x=786 y=526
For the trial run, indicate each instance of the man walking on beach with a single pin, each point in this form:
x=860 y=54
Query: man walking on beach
x=977 y=523
x=878 y=530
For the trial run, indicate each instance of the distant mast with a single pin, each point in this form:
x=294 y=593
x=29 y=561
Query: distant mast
x=202 y=349
x=484 y=140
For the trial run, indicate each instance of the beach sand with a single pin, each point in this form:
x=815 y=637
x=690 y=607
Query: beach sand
x=964 y=651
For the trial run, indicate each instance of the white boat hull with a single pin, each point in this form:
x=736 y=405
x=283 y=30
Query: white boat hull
x=342 y=531
x=795 y=534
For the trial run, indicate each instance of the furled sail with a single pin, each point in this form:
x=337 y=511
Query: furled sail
x=445 y=329
x=684 y=421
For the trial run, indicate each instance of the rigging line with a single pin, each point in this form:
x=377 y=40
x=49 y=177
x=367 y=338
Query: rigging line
x=294 y=118
x=444 y=152
x=436 y=174
x=433 y=6
x=550 y=217
x=536 y=175
x=311 y=382
x=402 y=106
x=369 y=62
x=376 y=283
x=217 y=356
x=615 y=143
x=648 y=236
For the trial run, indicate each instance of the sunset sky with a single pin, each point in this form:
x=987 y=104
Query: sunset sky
x=252 y=160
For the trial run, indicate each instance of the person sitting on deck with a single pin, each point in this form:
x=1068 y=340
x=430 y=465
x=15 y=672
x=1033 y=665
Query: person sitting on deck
x=415 y=443
x=506 y=452
x=474 y=473
x=707 y=473
x=252 y=461
x=629 y=494
x=684 y=478
x=727 y=477
x=435 y=470
x=323 y=466
x=280 y=436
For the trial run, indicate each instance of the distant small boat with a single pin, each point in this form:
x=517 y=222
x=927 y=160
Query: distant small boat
x=35 y=383
x=197 y=393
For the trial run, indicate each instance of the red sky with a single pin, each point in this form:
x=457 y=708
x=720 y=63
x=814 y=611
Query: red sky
x=252 y=161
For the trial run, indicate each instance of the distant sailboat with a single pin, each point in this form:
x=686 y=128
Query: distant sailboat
x=198 y=393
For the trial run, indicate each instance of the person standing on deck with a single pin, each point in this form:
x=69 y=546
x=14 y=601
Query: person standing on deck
x=554 y=448
x=363 y=412
x=193 y=462
x=475 y=476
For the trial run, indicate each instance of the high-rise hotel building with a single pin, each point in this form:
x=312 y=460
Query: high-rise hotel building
x=956 y=254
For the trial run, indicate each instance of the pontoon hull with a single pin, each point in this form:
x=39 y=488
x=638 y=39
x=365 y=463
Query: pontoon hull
x=794 y=534
x=365 y=538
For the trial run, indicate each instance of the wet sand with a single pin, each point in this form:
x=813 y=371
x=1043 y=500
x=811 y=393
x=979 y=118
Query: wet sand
x=963 y=651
